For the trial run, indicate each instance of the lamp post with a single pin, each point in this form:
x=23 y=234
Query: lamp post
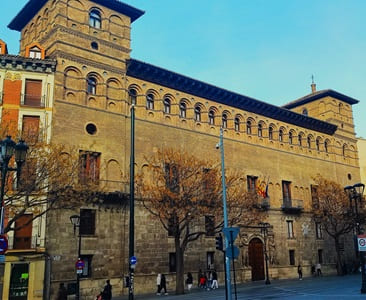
x=8 y=148
x=75 y=220
x=220 y=146
x=355 y=194
x=264 y=230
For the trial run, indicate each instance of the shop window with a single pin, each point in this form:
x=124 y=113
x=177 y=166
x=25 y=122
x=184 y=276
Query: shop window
x=87 y=222
x=87 y=270
x=95 y=19
x=19 y=281
x=89 y=167
x=33 y=93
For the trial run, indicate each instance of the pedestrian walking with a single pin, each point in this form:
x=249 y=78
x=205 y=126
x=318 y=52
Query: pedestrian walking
x=318 y=269
x=62 y=292
x=163 y=284
x=189 y=281
x=203 y=281
x=299 y=271
x=215 y=284
x=107 y=291
x=158 y=284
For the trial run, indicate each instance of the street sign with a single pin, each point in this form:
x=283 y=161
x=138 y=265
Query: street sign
x=231 y=233
x=80 y=265
x=133 y=260
x=3 y=244
x=361 y=241
x=233 y=249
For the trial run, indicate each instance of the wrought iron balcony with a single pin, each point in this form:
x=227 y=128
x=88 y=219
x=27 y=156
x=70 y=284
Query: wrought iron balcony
x=292 y=206
x=263 y=203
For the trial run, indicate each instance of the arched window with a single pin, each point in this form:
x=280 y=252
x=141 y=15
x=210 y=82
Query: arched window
x=305 y=112
x=237 y=124
x=326 y=146
x=197 y=114
x=150 y=101
x=91 y=85
x=95 y=19
x=309 y=141
x=249 y=127
x=211 y=117
x=280 y=135
x=300 y=139
x=35 y=52
x=182 y=110
x=270 y=133
x=317 y=144
x=167 y=106
x=224 y=120
x=132 y=95
x=290 y=137
x=260 y=130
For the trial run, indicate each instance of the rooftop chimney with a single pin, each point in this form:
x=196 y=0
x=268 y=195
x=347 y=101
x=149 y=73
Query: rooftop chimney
x=313 y=85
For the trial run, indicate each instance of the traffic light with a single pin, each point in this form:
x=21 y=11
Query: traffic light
x=219 y=244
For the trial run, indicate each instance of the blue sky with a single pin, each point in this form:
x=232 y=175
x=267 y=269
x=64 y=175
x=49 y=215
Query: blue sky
x=266 y=49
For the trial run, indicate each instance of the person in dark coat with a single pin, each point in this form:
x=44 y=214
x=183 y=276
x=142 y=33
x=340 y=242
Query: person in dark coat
x=163 y=284
x=189 y=281
x=299 y=271
x=107 y=291
x=62 y=292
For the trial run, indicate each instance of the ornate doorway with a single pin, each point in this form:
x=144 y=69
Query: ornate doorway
x=256 y=259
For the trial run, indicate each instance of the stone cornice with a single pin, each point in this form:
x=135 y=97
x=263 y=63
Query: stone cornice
x=83 y=61
x=18 y=63
x=84 y=36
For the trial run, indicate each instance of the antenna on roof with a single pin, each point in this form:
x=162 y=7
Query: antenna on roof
x=313 y=85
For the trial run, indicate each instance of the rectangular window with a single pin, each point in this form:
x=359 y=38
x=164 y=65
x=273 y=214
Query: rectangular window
x=286 y=192
x=30 y=129
x=210 y=260
x=23 y=235
x=87 y=222
x=89 y=167
x=318 y=228
x=292 y=257
x=28 y=181
x=320 y=256
x=252 y=183
x=210 y=225
x=172 y=262
x=172 y=177
x=290 y=229
x=33 y=92
x=314 y=196
x=171 y=225
x=88 y=265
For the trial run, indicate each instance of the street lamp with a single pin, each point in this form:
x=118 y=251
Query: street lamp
x=355 y=194
x=264 y=230
x=8 y=148
x=75 y=220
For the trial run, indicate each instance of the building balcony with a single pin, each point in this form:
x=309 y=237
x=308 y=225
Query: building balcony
x=25 y=243
x=292 y=206
x=263 y=203
x=33 y=100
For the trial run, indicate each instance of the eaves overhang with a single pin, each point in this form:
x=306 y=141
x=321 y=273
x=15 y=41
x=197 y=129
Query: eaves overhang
x=157 y=75
x=33 y=6
x=318 y=95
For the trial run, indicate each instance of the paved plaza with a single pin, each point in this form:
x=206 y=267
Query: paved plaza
x=333 y=287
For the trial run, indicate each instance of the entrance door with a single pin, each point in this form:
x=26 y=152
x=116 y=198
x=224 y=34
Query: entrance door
x=19 y=282
x=256 y=259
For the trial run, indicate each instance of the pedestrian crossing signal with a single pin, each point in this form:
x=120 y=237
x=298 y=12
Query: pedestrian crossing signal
x=219 y=243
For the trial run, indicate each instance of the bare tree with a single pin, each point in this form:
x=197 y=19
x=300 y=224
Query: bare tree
x=179 y=190
x=332 y=210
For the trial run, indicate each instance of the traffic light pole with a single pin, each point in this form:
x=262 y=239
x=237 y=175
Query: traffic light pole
x=227 y=259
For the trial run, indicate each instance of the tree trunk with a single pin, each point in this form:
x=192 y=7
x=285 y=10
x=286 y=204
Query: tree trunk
x=339 y=257
x=179 y=254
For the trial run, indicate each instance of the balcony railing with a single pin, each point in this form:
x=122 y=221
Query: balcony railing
x=292 y=206
x=25 y=243
x=33 y=100
x=263 y=203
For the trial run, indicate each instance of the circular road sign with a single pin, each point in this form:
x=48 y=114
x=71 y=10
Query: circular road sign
x=3 y=244
x=133 y=260
x=362 y=242
x=79 y=264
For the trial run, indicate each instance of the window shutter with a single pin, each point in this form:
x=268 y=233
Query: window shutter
x=33 y=92
x=30 y=130
x=23 y=236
